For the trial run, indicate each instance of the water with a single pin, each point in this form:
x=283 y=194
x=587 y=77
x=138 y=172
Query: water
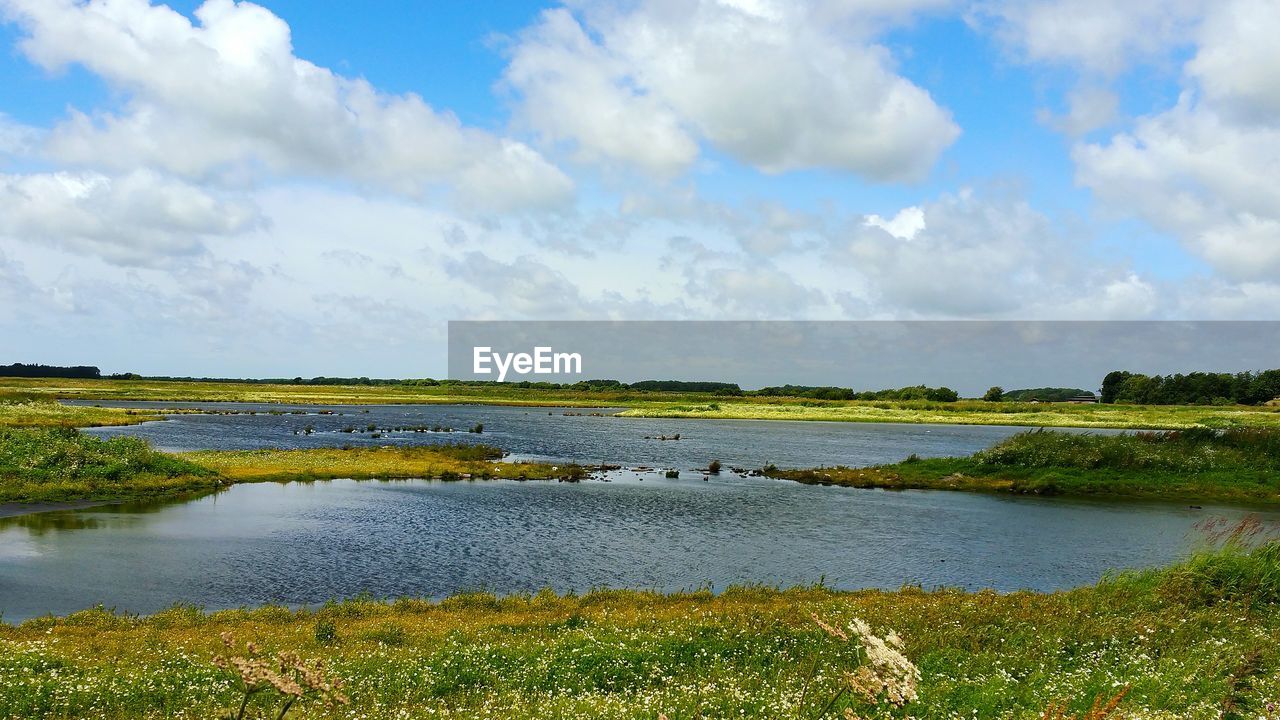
x=550 y=434
x=303 y=543
x=306 y=543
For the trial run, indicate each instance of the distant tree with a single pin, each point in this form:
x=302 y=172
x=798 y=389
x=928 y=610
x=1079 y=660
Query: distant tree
x=942 y=394
x=995 y=394
x=1111 y=385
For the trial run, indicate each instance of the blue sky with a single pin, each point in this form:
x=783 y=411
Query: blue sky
x=351 y=174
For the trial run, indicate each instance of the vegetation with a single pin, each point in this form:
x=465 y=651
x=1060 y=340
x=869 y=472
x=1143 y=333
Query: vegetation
x=1197 y=464
x=969 y=412
x=20 y=411
x=61 y=464
x=49 y=371
x=1189 y=642
x=57 y=464
x=1045 y=394
x=637 y=404
x=1197 y=388
x=447 y=461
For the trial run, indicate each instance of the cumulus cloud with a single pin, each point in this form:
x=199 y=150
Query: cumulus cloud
x=134 y=218
x=981 y=255
x=227 y=96
x=1101 y=36
x=1207 y=170
x=778 y=85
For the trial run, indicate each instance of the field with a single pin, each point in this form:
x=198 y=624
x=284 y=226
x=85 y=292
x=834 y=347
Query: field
x=665 y=404
x=1193 y=641
x=972 y=412
x=1239 y=465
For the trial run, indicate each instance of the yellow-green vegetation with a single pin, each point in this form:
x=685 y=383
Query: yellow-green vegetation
x=40 y=465
x=1194 y=641
x=432 y=461
x=29 y=412
x=668 y=404
x=971 y=412
x=1236 y=465
x=60 y=464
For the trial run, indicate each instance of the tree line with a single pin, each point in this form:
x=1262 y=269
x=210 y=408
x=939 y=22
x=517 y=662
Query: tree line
x=1197 y=388
x=49 y=371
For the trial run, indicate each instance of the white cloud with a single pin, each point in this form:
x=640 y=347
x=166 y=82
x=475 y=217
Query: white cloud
x=227 y=96
x=128 y=219
x=778 y=85
x=981 y=255
x=1238 y=61
x=1101 y=36
x=1088 y=108
x=1207 y=170
x=905 y=225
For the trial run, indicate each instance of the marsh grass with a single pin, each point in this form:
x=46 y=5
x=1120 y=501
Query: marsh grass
x=444 y=461
x=1239 y=464
x=54 y=464
x=25 y=410
x=666 y=404
x=1196 y=649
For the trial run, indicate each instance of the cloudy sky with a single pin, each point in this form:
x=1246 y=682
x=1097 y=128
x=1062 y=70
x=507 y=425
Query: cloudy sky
x=294 y=187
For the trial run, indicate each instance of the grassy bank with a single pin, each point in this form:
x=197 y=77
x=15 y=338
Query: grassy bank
x=1194 y=641
x=972 y=412
x=1240 y=465
x=60 y=464
x=450 y=462
x=28 y=412
x=667 y=404
x=41 y=465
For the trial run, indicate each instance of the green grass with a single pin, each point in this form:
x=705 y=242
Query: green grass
x=969 y=412
x=1238 y=465
x=20 y=411
x=1193 y=641
x=667 y=404
x=61 y=464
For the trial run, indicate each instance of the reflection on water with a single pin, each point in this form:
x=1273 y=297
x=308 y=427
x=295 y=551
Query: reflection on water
x=307 y=543
x=101 y=516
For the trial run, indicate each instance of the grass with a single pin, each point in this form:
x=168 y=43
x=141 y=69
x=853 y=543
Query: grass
x=1238 y=465
x=1189 y=642
x=18 y=411
x=971 y=412
x=434 y=461
x=60 y=465
x=666 y=404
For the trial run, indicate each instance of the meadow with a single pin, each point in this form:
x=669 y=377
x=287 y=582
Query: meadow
x=1193 y=641
x=664 y=403
x=1236 y=465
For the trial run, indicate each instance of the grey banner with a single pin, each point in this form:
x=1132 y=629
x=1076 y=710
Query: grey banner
x=968 y=356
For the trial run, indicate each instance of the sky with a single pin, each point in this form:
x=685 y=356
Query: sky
x=310 y=188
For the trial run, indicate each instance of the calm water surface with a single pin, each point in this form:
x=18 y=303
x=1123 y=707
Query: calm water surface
x=306 y=543
x=550 y=434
